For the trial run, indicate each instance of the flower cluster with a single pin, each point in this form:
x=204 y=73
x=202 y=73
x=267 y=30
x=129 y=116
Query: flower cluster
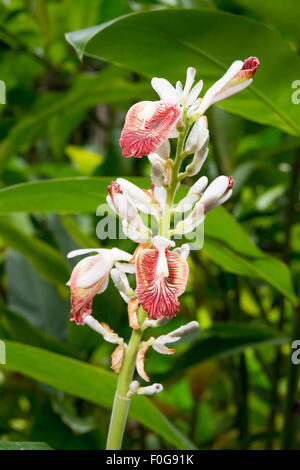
x=161 y=269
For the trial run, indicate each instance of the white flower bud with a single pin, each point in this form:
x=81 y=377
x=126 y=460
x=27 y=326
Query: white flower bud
x=150 y=390
x=195 y=218
x=198 y=136
x=193 y=195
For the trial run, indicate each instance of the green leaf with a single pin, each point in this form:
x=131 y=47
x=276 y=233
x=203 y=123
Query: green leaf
x=48 y=262
x=11 y=445
x=16 y=328
x=34 y=298
x=227 y=243
x=223 y=340
x=165 y=42
x=90 y=383
x=285 y=15
x=80 y=195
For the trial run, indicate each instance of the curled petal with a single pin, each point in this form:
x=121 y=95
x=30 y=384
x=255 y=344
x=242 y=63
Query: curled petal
x=147 y=125
x=117 y=358
x=89 y=277
x=132 y=316
x=158 y=295
x=162 y=349
x=140 y=363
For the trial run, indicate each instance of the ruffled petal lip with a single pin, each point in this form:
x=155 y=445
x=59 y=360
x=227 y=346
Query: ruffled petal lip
x=147 y=125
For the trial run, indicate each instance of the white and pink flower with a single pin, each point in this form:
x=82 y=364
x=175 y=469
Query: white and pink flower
x=161 y=278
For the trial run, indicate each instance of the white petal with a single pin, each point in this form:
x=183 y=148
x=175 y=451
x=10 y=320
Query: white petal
x=136 y=235
x=184 y=250
x=190 y=77
x=104 y=285
x=194 y=93
x=195 y=218
x=100 y=269
x=198 y=136
x=161 y=243
x=196 y=164
x=164 y=150
x=165 y=90
x=209 y=96
x=84 y=251
x=160 y=195
x=120 y=255
x=137 y=196
x=193 y=195
x=214 y=192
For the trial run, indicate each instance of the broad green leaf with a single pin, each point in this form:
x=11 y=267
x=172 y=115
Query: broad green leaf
x=165 y=42
x=282 y=14
x=11 y=445
x=16 y=328
x=80 y=195
x=223 y=340
x=34 y=298
x=88 y=382
x=48 y=262
x=227 y=243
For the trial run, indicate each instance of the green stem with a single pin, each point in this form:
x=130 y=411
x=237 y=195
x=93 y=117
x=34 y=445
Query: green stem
x=289 y=423
x=121 y=402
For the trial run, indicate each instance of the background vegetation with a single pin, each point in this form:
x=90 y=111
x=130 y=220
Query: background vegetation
x=233 y=386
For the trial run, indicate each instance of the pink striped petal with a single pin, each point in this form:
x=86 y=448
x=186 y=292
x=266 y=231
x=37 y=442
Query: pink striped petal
x=82 y=297
x=147 y=125
x=158 y=295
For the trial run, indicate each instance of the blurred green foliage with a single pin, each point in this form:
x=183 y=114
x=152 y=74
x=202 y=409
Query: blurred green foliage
x=231 y=386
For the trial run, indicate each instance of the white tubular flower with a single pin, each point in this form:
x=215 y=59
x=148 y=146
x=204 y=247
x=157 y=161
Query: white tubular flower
x=193 y=195
x=218 y=192
x=174 y=336
x=198 y=136
x=120 y=281
x=141 y=199
x=238 y=76
x=150 y=390
x=109 y=335
x=160 y=170
x=195 y=218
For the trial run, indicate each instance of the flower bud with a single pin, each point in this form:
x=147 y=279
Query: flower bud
x=150 y=390
x=217 y=192
x=193 y=195
x=198 y=136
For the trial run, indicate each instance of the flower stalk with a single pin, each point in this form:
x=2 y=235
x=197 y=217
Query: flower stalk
x=121 y=401
x=160 y=268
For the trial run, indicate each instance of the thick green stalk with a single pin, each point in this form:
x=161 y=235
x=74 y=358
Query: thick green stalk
x=121 y=401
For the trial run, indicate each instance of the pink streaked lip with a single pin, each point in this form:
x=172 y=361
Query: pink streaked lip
x=147 y=125
x=158 y=295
